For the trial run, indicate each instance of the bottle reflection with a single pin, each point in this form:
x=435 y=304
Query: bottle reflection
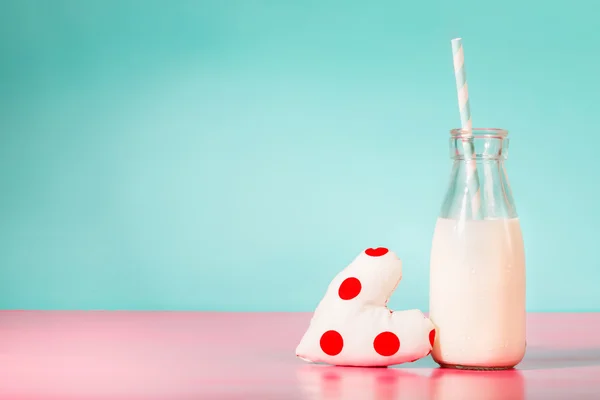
x=452 y=384
x=319 y=382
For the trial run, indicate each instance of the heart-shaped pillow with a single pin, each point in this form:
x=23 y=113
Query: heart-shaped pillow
x=352 y=325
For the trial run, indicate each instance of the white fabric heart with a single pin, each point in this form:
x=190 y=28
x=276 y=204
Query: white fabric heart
x=352 y=325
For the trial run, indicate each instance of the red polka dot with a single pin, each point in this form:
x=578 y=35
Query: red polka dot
x=387 y=344
x=432 y=337
x=378 y=252
x=349 y=289
x=332 y=343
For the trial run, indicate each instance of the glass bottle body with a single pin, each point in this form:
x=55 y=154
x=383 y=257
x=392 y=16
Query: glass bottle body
x=477 y=267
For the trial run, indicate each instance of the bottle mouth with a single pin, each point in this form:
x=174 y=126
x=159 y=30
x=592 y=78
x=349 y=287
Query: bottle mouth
x=480 y=133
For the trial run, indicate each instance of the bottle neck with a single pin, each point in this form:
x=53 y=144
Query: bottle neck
x=480 y=149
x=479 y=186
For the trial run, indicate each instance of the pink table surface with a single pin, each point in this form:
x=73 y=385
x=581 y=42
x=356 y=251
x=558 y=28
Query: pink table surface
x=185 y=355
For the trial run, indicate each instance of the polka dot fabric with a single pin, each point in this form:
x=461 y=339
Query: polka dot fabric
x=352 y=325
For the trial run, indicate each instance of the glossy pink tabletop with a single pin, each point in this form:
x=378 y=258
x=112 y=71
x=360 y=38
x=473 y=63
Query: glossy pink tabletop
x=158 y=355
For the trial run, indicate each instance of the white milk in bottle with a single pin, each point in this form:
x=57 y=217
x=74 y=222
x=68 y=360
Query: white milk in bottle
x=477 y=266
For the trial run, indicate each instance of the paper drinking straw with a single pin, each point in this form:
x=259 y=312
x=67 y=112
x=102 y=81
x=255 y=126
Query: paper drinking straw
x=466 y=124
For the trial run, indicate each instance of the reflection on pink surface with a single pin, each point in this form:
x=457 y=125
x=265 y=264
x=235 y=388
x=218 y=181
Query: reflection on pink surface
x=320 y=382
x=157 y=355
x=327 y=383
x=451 y=384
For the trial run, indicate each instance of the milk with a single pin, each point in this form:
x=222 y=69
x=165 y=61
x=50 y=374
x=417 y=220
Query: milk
x=477 y=293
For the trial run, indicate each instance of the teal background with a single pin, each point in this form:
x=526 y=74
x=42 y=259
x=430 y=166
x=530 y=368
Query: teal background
x=234 y=155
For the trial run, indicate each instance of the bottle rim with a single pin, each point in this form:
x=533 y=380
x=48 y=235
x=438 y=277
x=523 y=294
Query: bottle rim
x=480 y=133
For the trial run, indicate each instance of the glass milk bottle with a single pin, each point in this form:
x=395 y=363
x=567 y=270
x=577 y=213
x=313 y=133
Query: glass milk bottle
x=477 y=268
